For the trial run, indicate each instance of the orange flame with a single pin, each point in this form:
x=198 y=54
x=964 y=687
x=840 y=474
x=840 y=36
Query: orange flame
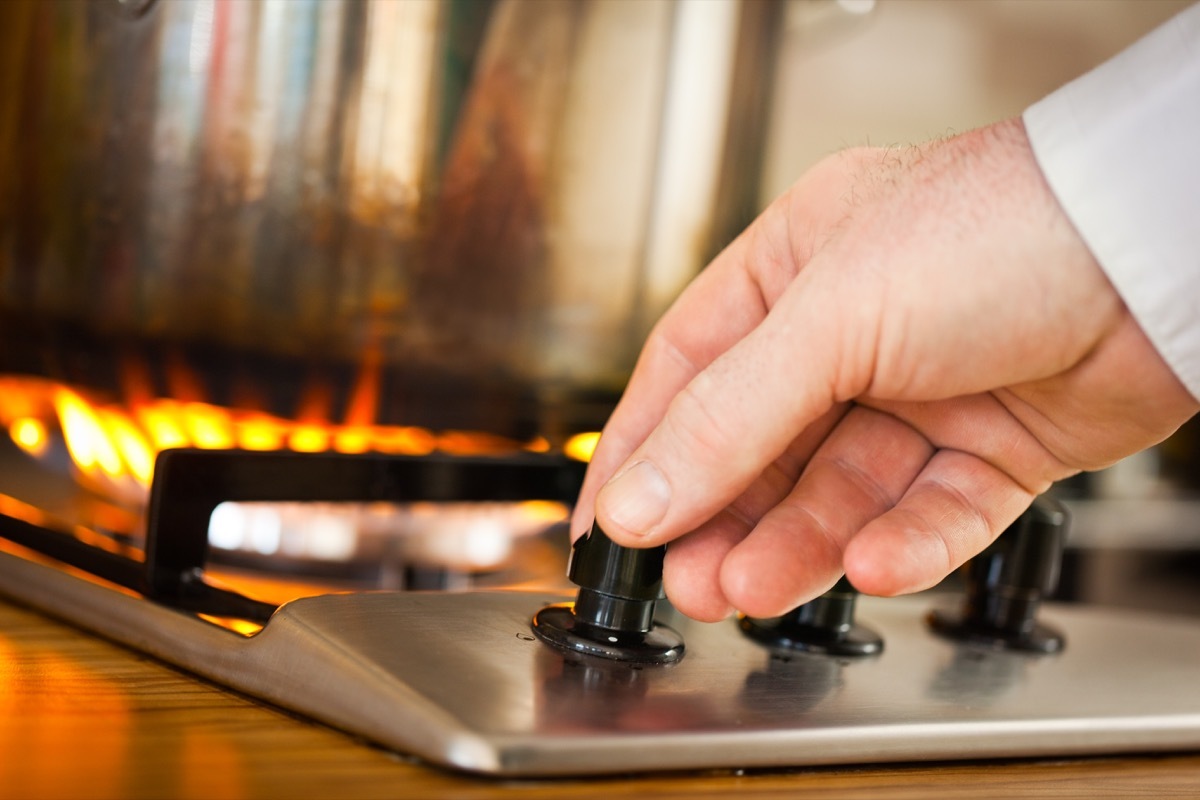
x=87 y=440
x=115 y=446
x=131 y=443
x=29 y=434
x=581 y=446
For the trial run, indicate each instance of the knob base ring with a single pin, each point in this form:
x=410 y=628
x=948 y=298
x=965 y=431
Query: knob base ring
x=855 y=640
x=558 y=626
x=1040 y=638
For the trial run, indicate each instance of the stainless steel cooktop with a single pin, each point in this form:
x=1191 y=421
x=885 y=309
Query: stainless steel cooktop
x=458 y=680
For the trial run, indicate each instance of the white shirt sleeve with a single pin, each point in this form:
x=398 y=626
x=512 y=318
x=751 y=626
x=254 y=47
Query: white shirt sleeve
x=1120 y=148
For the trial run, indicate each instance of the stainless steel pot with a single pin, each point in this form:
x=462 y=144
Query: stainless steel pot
x=510 y=189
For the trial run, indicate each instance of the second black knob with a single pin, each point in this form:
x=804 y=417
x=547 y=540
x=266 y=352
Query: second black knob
x=824 y=625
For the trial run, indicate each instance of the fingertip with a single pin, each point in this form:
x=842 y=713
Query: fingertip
x=867 y=574
x=742 y=587
x=781 y=564
x=702 y=607
x=761 y=588
x=886 y=562
x=753 y=604
x=691 y=571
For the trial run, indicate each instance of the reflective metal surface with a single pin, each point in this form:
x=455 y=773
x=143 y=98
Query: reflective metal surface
x=509 y=189
x=459 y=680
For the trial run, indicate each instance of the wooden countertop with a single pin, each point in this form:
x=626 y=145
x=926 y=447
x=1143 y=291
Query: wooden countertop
x=83 y=718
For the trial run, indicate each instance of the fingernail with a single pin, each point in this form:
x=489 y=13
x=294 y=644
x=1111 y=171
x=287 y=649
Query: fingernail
x=637 y=499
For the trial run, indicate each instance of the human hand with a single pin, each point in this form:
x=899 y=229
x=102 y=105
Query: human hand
x=875 y=378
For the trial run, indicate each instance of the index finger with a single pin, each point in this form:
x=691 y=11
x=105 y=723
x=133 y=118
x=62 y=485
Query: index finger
x=721 y=307
x=684 y=341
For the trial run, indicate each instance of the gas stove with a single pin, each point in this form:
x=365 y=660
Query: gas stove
x=599 y=674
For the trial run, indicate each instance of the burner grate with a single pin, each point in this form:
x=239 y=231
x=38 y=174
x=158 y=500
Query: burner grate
x=189 y=484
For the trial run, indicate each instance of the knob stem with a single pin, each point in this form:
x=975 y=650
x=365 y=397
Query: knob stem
x=613 y=613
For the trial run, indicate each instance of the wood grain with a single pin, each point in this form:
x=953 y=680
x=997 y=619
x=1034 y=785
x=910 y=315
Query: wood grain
x=83 y=718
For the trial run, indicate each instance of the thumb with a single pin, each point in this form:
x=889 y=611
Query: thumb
x=739 y=414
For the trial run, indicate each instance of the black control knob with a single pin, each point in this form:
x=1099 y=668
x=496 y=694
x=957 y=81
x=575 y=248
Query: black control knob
x=1007 y=582
x=824 y=625
x=613 y=613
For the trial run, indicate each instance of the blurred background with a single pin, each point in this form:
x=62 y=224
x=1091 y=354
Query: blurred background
x=858 y=72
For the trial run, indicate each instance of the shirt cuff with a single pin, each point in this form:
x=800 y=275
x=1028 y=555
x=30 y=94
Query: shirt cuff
x=1120 y=149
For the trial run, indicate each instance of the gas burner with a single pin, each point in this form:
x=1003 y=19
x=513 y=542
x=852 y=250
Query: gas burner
x=385 y=545
x=490 y=505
